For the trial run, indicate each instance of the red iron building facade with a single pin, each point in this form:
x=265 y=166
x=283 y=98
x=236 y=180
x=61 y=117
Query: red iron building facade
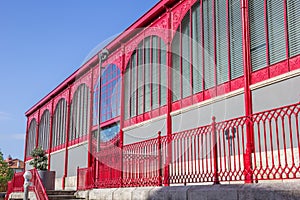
x=172 y=70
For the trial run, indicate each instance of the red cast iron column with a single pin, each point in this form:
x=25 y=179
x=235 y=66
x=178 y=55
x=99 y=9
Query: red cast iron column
x=247 y=91
x=169 y=106
x=90 y=153
x=122 y=112
x=67 y=140
x=50 y=134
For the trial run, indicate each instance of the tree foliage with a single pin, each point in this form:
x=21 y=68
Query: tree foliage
x=40 y=160
x=6 y=173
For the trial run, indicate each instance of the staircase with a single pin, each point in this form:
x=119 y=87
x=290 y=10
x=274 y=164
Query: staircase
x=61 y=194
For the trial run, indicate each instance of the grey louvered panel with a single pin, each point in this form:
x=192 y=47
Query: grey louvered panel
x=257 y=34
x=209 y=71
x=186 y=69
x=197 y=49
x=236 y=40
x=277 y=45
x=221 y=39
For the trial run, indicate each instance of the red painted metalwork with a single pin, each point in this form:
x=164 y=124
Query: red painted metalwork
x=16 y=185
x=109 y=166
x=211 y=153
x=122 y=107
x=85 y=178
x=38 y=187
x=277 y=143
x=247 y=91
x=90 y=155
x=267 y=33
x=215 y=150
x=142 y=164
x=166 y=179
x=50 y=134
x=67 y=138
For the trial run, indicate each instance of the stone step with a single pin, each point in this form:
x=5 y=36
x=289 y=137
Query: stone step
x=60 y=192
x=53 y=197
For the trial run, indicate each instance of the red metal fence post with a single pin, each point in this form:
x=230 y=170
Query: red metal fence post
x=159 y=167
x=215 y=150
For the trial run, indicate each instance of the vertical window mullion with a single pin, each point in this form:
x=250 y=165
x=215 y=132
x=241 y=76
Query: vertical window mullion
x=228 y=40
x=286 y=29
x=151 y=72
x=180 y=62
x=214 y=40
x=159 y=70
x=267 y=32
x=137 y=83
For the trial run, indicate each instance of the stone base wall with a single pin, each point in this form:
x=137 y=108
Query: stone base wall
x=263 y=191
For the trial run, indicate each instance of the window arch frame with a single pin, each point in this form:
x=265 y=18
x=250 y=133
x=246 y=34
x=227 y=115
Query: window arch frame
x=31 y=139
x=79 y=118
x=59 y=124
x=44 y=130
x=139 y=103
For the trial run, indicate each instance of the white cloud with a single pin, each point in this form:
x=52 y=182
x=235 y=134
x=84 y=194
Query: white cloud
x=10 y=137
x=20 y=136
x=5 y=116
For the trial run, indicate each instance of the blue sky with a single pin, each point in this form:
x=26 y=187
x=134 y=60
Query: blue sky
x=42 y=43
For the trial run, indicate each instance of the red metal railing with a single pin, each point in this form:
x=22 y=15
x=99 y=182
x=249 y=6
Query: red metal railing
x=212 y=153
x=16 y=185
x=277 y=143
x=142 y=163
x=85 y=178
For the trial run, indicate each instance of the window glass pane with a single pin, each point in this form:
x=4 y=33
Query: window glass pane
x=133 y=86
x=236 y=40
x=147 y=75
x=140 y=78
x=163 y=74
x=176 y=77
x=257 y=34
x=127 y=92
x=155 y=69
x=186 y=69
x=209 y=71
x=197 y=49
x=222 y=41
x=277 y=45
x=109 y=133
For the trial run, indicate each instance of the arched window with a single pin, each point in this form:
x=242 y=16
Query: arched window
x=59 y=123
x=146 y=77
x=207 y=47
x=110 y=94
x=31 y=137
x=44 y=129
x=80 y=111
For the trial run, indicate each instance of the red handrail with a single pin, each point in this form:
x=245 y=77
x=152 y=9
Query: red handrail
x=16 y=185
